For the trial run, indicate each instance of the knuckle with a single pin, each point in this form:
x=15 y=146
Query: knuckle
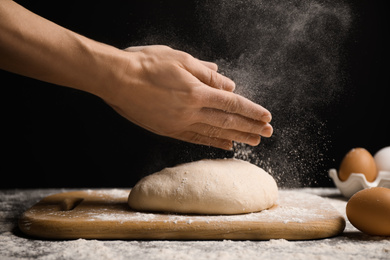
x=213 y=80
x=163 y=47
x=185 y=58
x=196 y=138
x=192 y=98
x=217 y=81
x=213 y=131
x=228 y=122
x=231 y=105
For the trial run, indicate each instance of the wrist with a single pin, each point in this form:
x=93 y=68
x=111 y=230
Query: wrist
x=114 y=71
x=97 y=67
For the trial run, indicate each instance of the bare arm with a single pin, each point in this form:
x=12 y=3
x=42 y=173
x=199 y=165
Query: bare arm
x=166 y=91
x=35 y=47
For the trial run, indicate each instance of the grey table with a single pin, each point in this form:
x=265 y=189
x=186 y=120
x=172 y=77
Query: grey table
x=352 y=244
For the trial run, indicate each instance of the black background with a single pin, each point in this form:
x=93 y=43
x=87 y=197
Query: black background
x=59 y=137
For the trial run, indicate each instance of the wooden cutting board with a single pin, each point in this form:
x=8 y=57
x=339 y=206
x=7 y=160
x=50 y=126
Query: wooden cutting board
x=105 y=214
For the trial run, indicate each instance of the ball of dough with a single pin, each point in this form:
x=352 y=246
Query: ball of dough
x=221 y=186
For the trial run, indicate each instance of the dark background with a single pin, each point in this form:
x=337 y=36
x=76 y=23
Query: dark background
x=59 y=137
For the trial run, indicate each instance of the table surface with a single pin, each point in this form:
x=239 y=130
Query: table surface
x=351 y=244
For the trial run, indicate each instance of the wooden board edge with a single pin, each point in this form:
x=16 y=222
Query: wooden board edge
x=250 y=231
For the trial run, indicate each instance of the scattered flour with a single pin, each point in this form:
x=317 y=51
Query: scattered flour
x=291 y=207
x=352 y=244
x=287 y=56
x=110 y=193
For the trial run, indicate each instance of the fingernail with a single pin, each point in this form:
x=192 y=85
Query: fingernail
x=266 y=118
x=253 y=140
x=232 y=86
x=267 y=130
x=229 y=85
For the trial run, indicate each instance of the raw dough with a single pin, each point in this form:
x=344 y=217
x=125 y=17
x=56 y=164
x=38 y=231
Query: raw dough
x=221 y=186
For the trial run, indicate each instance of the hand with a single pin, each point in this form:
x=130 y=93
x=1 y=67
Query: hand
x=173 y=94
x=166 y=91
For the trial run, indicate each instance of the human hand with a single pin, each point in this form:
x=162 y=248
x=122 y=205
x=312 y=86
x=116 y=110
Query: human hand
x=173 y=94
x=166 y=91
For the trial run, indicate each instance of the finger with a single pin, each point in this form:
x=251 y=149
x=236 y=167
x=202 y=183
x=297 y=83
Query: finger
x=210 y=76
x=197 y=138
x=210 y=65
x=135 y=48
x=139 y=47
x=235 y=104
x=225 y=120
x=227 y=134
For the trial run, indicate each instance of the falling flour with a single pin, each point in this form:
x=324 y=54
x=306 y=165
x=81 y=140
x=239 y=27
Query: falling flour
x=288 y=57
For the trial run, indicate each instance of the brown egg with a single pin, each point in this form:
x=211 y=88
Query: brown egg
x=369 y=211
x=358 y=160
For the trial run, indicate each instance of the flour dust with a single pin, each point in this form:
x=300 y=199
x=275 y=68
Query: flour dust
x=288 y=57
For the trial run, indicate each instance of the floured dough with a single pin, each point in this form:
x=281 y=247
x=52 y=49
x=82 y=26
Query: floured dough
x=221 y=186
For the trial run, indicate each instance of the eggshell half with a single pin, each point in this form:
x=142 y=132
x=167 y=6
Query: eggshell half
x=369 y=211
x=358 y=160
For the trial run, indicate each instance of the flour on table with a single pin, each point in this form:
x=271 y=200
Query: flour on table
x=290 y=207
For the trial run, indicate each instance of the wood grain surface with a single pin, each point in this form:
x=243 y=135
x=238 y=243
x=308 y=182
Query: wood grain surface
x=105 y=214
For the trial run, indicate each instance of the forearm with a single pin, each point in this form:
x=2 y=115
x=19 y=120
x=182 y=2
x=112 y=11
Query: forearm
x=35 y=47
x=163 y=90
